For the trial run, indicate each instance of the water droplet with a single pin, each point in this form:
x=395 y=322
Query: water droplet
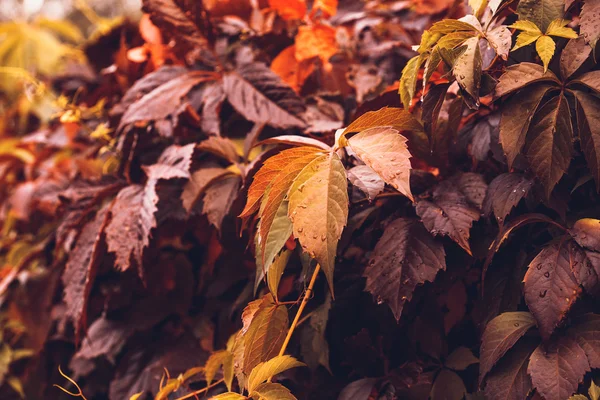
x=315 y=236
x=300 y=230
x=323 y=237
x=543 y=293
x=539 y=267
x=547 y=274
x=516 y=324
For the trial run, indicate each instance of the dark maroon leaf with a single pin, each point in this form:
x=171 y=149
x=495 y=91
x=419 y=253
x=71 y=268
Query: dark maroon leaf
x=588 y=124
x=509 y=379
x=586 y=330
x=522 y=74
x=550 y=287
x=504 y=193
x=573 y=56
x=358 y=390
x=261 y=96
x=405 y=256
x=557 y=370
x=586 y=233
x=500 y=336
x=219 y=197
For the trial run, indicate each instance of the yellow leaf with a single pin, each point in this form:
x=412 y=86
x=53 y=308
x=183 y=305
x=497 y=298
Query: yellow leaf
x=451 y=25
x=63 y=28
x=327 y=7
x=545 y=47
x=525 y=38
x=478 y=6
x=526 y=26
x=136 y=396
x=320 y=193
x=276 y=271
x=558 y=28
x=394 y=117
x=228 y=396
x=191 y=372
x=274 y=366
x=594 y=391
x=384 y=149
x=272 y=391
x=408 y=80
x=214 y=362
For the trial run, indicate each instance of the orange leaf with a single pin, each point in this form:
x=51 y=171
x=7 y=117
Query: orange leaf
x=292 y=72
x=327 y=7
x=289 y=9
x=315 y=41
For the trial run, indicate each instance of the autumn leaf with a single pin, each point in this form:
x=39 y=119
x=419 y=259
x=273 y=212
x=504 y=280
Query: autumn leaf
x=500 y=336
x=588 y=22
x=272 y=367
x=589 y=132
x=261 y=96
x=229 y=396
x=217 y=360
x=586 y=331
x=316 y=41
x=200 y=180
x=504 y=193
x=327 y=7
x=408 y=80
x=273 y=391
x=385 y=151
x=275 y=271
x=519 y=75
x=319 y=193
x=550 y=288
x=221 y=147
x=572 y=57
x=540 y=12
x=289 y=10
x=448 y=385
x=509 y=380
x=219 y=198
x=587 y=234
x=545 y=47
x=367 y=180
x=556 y=370
x=396 y=118
x=467 y=71
x=405 y=256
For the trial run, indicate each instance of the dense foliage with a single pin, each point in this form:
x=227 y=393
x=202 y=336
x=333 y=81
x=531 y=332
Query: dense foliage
x=302 y=200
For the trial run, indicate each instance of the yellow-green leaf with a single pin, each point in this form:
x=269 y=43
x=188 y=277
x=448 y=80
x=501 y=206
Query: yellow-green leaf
x=594 y=391
x=558 y=28
x=467 y=71
x=451 y=25
x=545 y=47
x=276 y=271
x=320 y=193
x=408 y=80
x=228 y=396
x=214 y=362
x=526 y=26
x=274 y=366
x=272 y=391
x=478 y=6
x=384 y=149
x=525 y=38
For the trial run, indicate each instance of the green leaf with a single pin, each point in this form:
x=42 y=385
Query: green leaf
x=265 y=370
x=385 y=151
x=408 y=80
x=467 y=71
x=272 y=391
x=320 y=193
x=545 y=47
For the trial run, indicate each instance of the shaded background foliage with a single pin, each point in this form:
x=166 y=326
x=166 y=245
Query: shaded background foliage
x=129 y=149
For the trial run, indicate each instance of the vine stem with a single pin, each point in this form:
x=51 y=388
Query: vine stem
x=187 y=396
x=305 y=299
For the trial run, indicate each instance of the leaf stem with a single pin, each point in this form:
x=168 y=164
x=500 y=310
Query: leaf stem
x=187 y=396
x=305 y=299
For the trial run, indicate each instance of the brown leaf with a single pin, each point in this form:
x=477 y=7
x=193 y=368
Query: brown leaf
x=289 y=9
x=219 y=197
x=586 y=331
x=448 y=385
x=549 y=144
x=588 y=124
x=81 y=268
x=195 y=188
x=221 y=147
x=586 y=233
x=405 y=256
x=556 y=370
x=501 y=39
x=367 y=180
x=385 y=151
x=573 y=56
x=500 y=335
x=517 y=114
x=550 y=287
x=504 y=193
x=509 y=379
x=261 y=96
x=128 y=232
x=519 y=75
x=589 y=21
x=296 y=140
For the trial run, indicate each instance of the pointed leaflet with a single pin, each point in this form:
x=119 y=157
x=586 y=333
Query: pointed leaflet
x=221 y=147
x=590 y=79
x=267 y=369
x=396 y=118
x=261 y=96
x=367 y=180
x=541 y=12
x=195 y=188
x=133 y=210
x=265 y=334
x=173 y=20
x=81 y=268
x=320 y=193
x=573 y=56
x=316 y=40
x=588 y=123
x=408 y=80
x=385 y=151
x=509 y=379
x=296 y=140
x=519 y=75
x=164 y=103
x=517 y=114
x=405 y=256
x=448 y=385
x=586 y=331
x=500 y=38
x=557 y=369
x=590 y=22
x=500 y=335
x=219 y=198
x=229 y=396
x=550 y=287
x=460 y=359
x=545 y=47
x=455 y=204
x=549 y=143
x=272 y=391
x=467 y=71
x=276 y=271
x=219 y=358
x=504 y=193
